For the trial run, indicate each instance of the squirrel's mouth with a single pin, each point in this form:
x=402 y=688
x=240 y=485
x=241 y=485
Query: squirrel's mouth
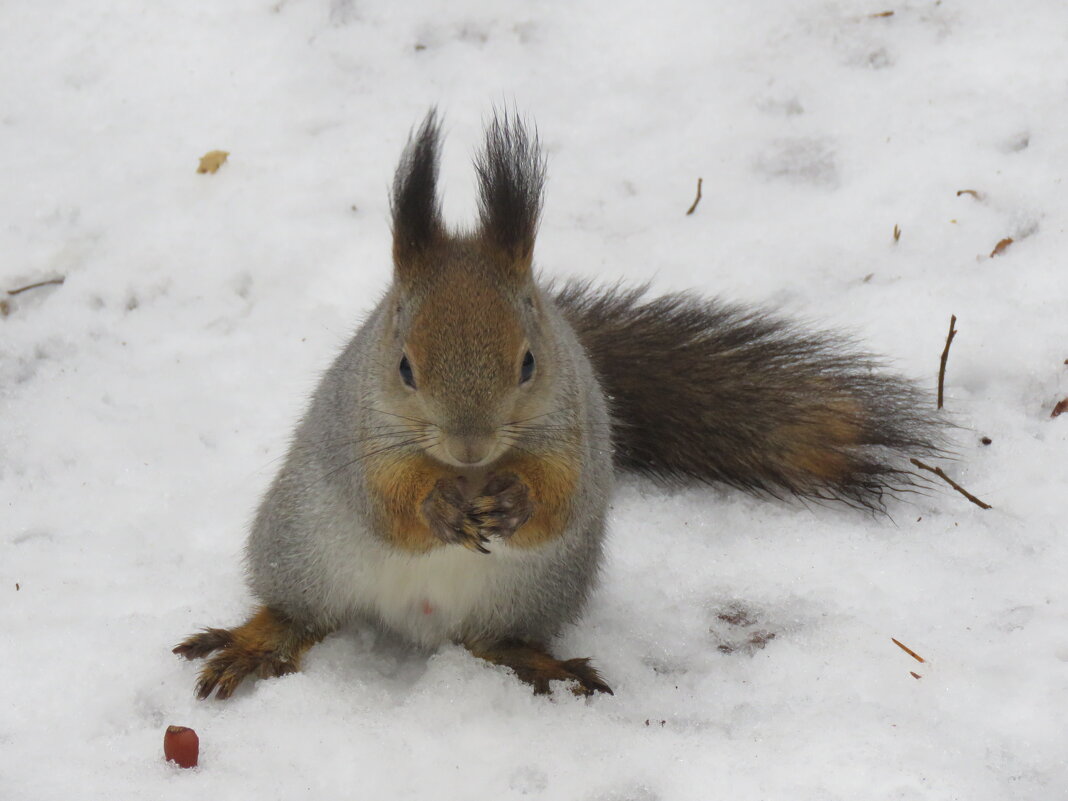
x=468 y=451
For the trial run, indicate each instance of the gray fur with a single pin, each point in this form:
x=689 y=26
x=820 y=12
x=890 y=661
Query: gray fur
x=312 y=549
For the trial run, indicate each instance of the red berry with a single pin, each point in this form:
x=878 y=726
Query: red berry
x=182 y=746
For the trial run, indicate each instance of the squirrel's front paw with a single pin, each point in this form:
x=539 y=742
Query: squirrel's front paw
x=503 y=507
x=446 y=511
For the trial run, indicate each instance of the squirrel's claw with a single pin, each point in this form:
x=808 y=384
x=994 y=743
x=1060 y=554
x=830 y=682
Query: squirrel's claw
x=500 y=524
x=537 y=667
x=475 y=543
x=224 y=672
x=470 y=536
x=203 y=643
x=589 y=679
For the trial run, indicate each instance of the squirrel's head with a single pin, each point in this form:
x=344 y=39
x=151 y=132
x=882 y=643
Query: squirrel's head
x=470 y=361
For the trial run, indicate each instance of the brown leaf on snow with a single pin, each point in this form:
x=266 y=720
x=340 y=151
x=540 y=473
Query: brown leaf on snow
x=1000 y=247
x=1060 y=408
x=210 y=162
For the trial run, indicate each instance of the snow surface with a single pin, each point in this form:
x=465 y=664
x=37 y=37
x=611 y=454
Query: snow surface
x=146 y=401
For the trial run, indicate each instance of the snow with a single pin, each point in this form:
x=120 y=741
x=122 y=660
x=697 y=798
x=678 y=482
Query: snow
x=147 y=400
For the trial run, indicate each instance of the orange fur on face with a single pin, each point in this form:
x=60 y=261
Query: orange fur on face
x=465 y=339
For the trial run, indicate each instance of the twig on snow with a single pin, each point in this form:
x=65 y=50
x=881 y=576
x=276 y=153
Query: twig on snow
x=941 y=474
x=697 y=199
x=945 y=356
x=34 y=286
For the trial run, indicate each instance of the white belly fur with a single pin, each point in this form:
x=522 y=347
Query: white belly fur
x=429 y=597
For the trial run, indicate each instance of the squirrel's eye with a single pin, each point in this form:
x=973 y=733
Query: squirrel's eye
x=526 y=370
x=407 y=376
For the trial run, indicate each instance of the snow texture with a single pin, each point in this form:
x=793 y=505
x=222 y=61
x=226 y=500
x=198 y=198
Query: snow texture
x=147 y=400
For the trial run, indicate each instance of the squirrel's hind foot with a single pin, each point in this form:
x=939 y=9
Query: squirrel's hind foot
x=223 y=673
x=535 y=666
x=269 y=644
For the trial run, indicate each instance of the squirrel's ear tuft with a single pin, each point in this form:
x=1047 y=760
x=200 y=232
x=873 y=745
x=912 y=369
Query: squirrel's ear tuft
x=417 y=222
x=511 y=176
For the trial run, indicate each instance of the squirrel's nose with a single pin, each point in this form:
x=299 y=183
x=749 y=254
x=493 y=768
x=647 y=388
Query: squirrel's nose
x=469 y=449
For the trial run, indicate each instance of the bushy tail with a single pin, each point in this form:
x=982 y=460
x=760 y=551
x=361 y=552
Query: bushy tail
x=706 y=391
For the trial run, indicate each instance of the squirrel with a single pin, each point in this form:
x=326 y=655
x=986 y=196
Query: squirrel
x=450 y=478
